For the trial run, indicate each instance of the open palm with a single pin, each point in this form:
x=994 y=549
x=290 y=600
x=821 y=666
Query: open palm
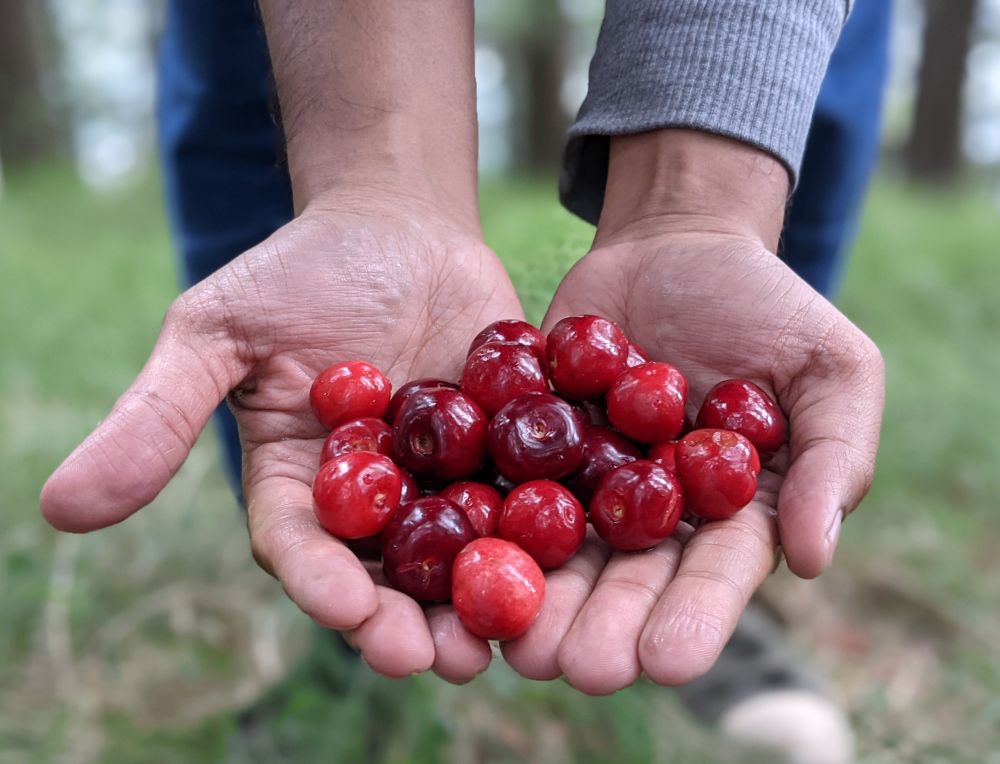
x=331 y=286
x=717 y=306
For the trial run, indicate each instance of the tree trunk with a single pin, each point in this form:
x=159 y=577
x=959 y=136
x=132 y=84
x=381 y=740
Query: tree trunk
x=25 y=125
x=933 y=150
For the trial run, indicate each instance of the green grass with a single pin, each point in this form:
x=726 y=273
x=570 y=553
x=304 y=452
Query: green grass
x=140 y=643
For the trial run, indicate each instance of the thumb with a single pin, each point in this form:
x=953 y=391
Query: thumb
x=135 y=451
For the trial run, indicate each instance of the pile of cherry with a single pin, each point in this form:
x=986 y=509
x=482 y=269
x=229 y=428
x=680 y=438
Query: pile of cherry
x=470 y=490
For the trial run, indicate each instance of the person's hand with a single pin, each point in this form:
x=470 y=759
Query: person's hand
x=692 y=278
x=387 y=281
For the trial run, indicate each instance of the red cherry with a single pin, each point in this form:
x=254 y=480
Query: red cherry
x=718 y=470
x=664 y=455
x=497 y=589
x=411 y=489
x=637 y=355
x=647 y=402
x=498 y=372
x=536 y=436
x=637 y=506
x=419 y=546
x=603 y=451
x=586 y=354
x=368 y=434
x=739 y=405
x=482 y=503
x=512 y=330
x=440 y=434
x=356 y=494
x=347 y=391
x=545 y=520
x=415 y=385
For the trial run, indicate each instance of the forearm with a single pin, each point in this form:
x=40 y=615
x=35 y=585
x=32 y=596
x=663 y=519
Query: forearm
x=378 y=95
x=749 y=71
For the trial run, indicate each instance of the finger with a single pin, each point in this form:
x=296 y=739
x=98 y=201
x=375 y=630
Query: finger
x=318 y=572
x=722 y=566
x=835 y=413
x=535 y=654
x=459 y=656
x=132 y=454
x=396 y=640
x=599 y=655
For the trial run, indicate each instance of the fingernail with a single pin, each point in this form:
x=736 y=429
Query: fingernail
x=833 y=531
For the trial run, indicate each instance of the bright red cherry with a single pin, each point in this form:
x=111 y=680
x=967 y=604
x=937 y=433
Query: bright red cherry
x=647 y=402
x=545 y=520
x=664 y=455
x=586 y=354
x=718 y=470
x=637 y=506
x=497 y=589
x=536 y=436
x=482 y=503
x=419 y=546
x=637 y=355
x=603 y=450
x=347 y=391
x=512 y=330
x=356 y=493
x=440 y=434
x=498 y=372
x=368 y=434
x=739 y=405
x=415 y=385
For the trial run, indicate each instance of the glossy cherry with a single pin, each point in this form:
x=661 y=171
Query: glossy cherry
x=440 y=434
x=647 y=402
x=356 y=493
x=741 y=406
x=664 y=455
x=637 y=355
x=411 y=387
x=367 y=434
x=482 y=503
x=586 y=354
x=536 y=436
x=498 y=372
x=603 y=450
x=497 y=589
x=637 y=506
x=512 y=330
x=545 y=520
x=718 y=470
x=347 y=391
x=419 y=546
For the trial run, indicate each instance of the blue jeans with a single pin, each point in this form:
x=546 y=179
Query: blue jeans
x=227 y=189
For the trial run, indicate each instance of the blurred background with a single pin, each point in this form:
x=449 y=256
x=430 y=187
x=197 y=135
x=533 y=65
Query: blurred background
x=142 y=643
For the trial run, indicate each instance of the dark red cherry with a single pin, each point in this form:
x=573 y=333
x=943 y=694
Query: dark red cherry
x=536 y=436
x=586 y=354
x=427 y=383
x=419 y=546
x=637 y=506
x=498 y=372
x=718 y=470
x=647 y=402
x=739 y=405
x=356 y=493
x=545 y=520
x=482 y=503
x=603 y=450
x=440 y=434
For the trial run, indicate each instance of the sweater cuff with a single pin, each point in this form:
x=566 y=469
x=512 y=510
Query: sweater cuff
x=747 y=70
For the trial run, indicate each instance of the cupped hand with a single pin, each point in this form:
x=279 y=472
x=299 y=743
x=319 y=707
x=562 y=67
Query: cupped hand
x=717 y=304
x=391 y=283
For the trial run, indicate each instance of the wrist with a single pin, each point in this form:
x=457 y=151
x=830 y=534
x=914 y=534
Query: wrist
x=691 y=181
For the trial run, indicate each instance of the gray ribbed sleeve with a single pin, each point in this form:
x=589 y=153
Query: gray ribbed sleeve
x=749 y=70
